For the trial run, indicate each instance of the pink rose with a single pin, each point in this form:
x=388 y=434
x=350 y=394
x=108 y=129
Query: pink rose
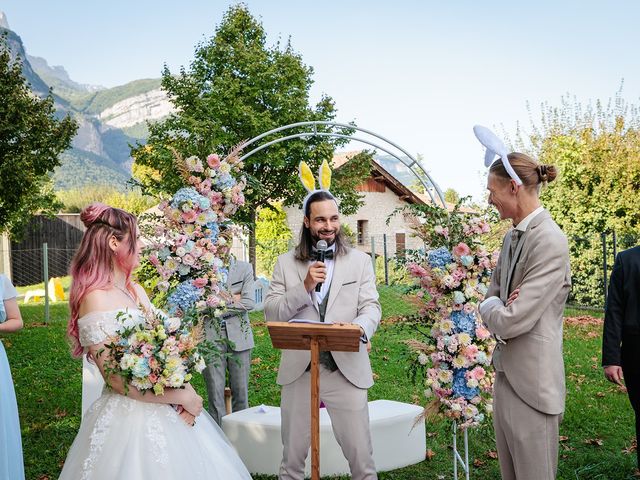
x=189 y=217
x=482 y=333
x=200 y=282
x=461 y=249
x=213 y=161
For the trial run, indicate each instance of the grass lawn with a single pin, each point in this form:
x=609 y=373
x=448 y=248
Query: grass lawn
x=597 y=429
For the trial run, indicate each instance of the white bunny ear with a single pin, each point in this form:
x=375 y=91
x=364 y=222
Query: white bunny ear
x=494 y=147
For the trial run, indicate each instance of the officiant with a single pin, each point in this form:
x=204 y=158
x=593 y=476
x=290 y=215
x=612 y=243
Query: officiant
x=339 y=289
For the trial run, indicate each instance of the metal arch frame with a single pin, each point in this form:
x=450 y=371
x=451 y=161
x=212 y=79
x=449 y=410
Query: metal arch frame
x=412 y=164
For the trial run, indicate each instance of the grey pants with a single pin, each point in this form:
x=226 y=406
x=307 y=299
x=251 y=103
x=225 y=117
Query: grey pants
x=215 y=377
x=527 y=439
x=349 y=411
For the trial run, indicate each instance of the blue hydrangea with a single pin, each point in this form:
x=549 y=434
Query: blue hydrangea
x=224 y=273
x=463 y=322
x=460 y=387
x=183 y=297
x=164 y=253
x=214 y=231
x=187 y=195
x=439 y=257
x=141 y=368
x=225 y=181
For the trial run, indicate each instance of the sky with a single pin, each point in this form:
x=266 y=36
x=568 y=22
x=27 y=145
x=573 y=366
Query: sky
x=419 y=73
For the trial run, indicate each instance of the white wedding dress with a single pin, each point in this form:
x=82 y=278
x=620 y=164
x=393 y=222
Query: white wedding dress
x=123 y=438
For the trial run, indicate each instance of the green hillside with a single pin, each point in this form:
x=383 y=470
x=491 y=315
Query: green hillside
x=80 y=168
x=92 y=103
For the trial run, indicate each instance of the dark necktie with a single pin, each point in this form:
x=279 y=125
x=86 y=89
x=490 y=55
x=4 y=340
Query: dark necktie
x=515 y=238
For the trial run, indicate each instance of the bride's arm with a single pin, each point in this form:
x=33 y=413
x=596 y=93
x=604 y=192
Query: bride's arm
x=186 y=397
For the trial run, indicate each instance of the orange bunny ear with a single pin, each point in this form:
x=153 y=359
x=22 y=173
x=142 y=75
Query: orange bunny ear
x=306 y=177
x=324 y=175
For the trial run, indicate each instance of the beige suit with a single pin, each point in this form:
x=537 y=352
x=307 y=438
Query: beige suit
x=353 y=299
x=529 y=392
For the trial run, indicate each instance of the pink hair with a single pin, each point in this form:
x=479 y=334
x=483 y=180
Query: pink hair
x=92 y=265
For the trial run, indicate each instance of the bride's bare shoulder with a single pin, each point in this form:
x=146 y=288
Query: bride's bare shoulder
x=95 y=301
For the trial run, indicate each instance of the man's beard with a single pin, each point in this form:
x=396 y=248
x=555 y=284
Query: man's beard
x=330 y=242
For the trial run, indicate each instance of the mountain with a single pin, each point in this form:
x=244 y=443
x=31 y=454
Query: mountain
x=109 y=119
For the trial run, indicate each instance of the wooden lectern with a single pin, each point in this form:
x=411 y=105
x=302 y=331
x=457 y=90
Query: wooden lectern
x=335 y=337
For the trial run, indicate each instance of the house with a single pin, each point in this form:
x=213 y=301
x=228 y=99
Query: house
x=382 y=195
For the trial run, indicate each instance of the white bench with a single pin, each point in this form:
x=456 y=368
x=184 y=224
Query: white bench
x=398 y=438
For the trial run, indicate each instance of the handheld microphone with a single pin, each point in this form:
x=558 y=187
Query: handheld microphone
x=321 y=248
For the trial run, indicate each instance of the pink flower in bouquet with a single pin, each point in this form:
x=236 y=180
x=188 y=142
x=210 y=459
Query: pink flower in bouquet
x=461 y=249
x=213 y=301
x=188 y=259
x=154 y=260
x=478 y=373
x=440 y=230
x=470 y=352
x=458 y=274
x=213 y=161
x=469 y=308
x=205 y=186
x=482 y=333
x=195 y=181
x=189 y=217
x=181 y=240
x=146 y=349
x=200 y=282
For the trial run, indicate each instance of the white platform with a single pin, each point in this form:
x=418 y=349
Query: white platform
x=397 y=439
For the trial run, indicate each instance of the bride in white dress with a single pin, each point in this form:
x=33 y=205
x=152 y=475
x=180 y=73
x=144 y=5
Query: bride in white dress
x=132 y=436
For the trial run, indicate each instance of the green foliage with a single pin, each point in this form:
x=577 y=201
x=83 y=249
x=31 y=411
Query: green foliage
x=31 y=140
x=75 y=200
x=238 y=87
x=272 y=237
x=396 y=272
x=451 y=196
x=598 y=190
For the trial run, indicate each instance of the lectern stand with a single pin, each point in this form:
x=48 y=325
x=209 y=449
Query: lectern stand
x=316 y=337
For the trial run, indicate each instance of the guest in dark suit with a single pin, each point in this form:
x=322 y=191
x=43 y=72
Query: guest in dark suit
x=621 y=336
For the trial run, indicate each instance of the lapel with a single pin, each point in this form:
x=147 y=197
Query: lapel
x=338 y=278
x=303 y=268
x=537 y=220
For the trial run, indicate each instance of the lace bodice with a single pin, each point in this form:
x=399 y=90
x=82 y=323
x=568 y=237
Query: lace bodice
x=96 y=327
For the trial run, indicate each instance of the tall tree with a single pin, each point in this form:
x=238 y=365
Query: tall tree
x=597 y=151
x=236 y=88
x=31 y=139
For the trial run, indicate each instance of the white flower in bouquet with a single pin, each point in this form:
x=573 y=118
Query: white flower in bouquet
x=172 y=324
x=458 y=297
x=423 y=359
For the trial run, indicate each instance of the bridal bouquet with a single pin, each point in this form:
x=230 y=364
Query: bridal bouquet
x=153 y=351
x=191 y=241
x=452 y=276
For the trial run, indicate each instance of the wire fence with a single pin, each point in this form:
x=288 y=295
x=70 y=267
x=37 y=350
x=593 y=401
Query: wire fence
x=41 y=274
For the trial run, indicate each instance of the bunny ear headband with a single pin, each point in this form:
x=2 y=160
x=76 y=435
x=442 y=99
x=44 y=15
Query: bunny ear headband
x=494 y=147
x=306 y=177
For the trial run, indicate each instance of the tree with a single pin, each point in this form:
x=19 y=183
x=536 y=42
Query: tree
x=31 y=140
x=236 y=88
x=597 y=151
x=451 y=196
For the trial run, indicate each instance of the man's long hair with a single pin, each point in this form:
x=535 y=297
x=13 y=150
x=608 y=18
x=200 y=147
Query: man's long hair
x=304 y=250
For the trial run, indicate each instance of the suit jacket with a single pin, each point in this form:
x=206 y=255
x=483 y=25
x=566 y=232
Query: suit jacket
x=532 y=325
x=240 y=280
x=622 y=310
x=353 y=299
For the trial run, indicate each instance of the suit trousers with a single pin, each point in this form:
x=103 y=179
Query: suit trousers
x=215 y=378
x=630 y=354
x=349 y=412
x=527 y=439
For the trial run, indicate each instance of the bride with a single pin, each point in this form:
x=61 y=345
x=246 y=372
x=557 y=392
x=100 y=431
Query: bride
x=137 y=435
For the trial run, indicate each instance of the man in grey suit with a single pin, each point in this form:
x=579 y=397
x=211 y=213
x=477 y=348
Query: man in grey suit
x=348 y=295
x=524 y=310
x=234 y=326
